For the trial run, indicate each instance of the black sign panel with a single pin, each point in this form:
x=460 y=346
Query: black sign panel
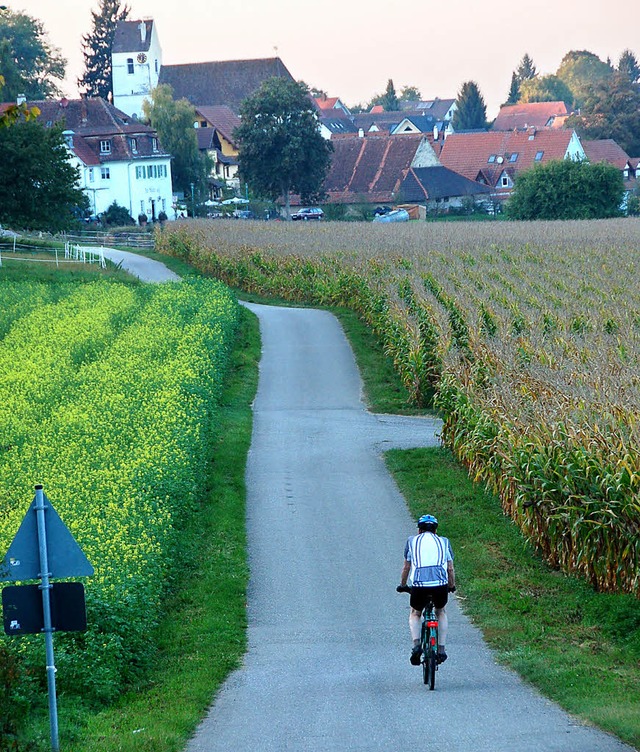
x=22 y=610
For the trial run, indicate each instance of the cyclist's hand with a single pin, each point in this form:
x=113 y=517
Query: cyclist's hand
x=403 y=589
x=452 y=589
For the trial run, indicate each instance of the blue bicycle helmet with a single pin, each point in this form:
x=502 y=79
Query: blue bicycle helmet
x=427 y=519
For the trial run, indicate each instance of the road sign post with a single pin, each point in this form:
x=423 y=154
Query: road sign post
x=45 y=586
x=44 y=548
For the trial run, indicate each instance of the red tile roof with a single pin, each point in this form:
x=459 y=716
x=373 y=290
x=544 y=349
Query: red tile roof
x=525 y=115
x=606 y=150
x=326 y=103
x=222 y=118
x=369 y=169
x=489 y=154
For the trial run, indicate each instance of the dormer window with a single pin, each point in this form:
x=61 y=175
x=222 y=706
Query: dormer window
x=154 y=144
x=105 y=146
x=505 y=181
x=133 y=145
x=130 y=66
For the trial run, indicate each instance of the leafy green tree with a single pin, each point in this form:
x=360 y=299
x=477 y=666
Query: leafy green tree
x=472 y=110
x=173 y=120
x=410 y=94
x=39 y=187
x=628 y=66
x=545 y=89
x=29 y=63
x=581 y=70
x=567 y=189
x=611 y=110
x=97 y=79
x=281 y=150
x=15 y=112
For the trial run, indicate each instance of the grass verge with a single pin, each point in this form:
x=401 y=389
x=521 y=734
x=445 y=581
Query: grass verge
x=579 y=647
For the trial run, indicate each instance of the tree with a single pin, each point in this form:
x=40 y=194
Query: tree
x=410 y=94
x=514 y=90
x=545 y=89
x=97 y=45
x=526 y=69
x=39 y=187
x=611 y=110
x=30 y=65
x=567 y=189
x=15 y=112
x=628 y=66
x=173 y=120
x=472 y=111
x=581 y=70
x=117 y=216
x=280 y=147
x=388 y=101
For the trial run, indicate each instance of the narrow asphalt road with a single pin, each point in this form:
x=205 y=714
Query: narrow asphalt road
x=327 y=668
x=328 y=662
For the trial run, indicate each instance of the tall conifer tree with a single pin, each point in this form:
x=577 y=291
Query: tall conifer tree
x=472 y=110
x=97 y=45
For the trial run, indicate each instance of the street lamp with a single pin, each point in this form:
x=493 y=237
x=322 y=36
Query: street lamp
x=193 y=201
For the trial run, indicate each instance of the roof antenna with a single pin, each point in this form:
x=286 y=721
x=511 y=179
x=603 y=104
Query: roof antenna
x=275 y=49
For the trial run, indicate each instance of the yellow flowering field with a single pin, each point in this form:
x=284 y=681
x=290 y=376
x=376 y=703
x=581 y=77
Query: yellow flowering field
x=108 y=398
x=525 y=335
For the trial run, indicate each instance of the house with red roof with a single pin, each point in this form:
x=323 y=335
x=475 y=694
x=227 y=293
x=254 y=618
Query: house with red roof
x=531 y=115
x=328 y=105
x=608 y=150
x=370 y=169
x=215 y=132
x=117 y=157
x=496 y=157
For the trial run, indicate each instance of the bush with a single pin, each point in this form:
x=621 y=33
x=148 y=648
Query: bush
x=117 y=216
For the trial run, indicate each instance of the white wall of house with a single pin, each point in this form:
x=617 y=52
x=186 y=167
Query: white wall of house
x=425 y=156
x=143 y=186
x=135 y=74
x=574 y=149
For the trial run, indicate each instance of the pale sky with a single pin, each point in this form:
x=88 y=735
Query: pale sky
x=350 y=49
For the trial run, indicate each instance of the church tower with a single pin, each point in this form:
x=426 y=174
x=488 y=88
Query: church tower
x=136 y=59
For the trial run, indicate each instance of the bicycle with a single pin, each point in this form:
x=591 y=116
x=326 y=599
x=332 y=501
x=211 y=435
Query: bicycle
x=428 y=639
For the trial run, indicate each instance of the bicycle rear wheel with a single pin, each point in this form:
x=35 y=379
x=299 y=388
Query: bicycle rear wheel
x=431 y=671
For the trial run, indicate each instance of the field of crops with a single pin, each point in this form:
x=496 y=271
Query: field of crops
x=108 y=398
x=525 y=335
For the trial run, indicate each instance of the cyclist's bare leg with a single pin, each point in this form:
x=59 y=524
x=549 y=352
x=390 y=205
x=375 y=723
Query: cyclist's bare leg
x=415 y=625
x=443 y=625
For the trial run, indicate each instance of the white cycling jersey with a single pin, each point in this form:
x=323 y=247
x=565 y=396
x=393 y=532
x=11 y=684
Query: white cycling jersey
x=428 y=554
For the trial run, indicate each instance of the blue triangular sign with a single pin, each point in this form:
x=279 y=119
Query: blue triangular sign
x=22 y=561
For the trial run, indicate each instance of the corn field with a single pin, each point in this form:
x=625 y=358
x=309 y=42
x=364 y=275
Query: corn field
x=526 y=336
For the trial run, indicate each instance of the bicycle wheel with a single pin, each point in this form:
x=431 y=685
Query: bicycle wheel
x=431 y=672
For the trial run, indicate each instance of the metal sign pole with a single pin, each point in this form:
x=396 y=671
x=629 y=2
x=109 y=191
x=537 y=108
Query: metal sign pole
x=45 y=586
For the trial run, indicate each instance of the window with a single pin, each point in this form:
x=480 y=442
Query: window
x=505 y=181
x=138 y=172
x=129 y=65
x=91 y=176
x=156 y=65
x=514 y=157
x=142 y=207
x=154 y=144
x=492 y=159
x=539 y=155
x=105 y=173
x=133 y=145
x=105 y=147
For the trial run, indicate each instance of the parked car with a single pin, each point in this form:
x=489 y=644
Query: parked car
x=244 y=214
x=306 y=214
x=398 y=215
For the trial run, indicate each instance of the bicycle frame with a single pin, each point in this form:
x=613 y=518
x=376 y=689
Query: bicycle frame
x=429 y=641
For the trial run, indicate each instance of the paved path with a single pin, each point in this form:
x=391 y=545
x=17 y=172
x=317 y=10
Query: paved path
x=144 y=268
x=327 y=667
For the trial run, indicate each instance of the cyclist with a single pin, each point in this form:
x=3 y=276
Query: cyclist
x=429 y=566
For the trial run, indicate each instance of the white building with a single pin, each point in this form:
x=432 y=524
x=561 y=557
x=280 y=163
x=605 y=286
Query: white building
x=118 y=158
x=136 y=59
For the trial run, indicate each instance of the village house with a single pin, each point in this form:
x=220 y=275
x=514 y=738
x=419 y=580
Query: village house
x=117 y=158
x=531 y=115
x=495 y=158
x=214 y=129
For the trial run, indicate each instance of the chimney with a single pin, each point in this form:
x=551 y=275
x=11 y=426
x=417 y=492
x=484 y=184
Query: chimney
x=68 y=137
x=21 y=99
x=143 y=31
x=360 y=132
